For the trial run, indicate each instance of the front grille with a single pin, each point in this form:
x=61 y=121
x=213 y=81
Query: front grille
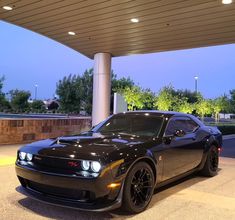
x=60 y=163
x=65 y=193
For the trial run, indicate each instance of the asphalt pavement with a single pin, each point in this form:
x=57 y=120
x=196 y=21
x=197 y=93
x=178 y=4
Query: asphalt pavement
x=228 y=148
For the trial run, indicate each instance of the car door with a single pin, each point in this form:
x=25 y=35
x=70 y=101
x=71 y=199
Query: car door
x=184 y=153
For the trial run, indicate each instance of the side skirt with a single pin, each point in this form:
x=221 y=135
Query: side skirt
x=174 y=179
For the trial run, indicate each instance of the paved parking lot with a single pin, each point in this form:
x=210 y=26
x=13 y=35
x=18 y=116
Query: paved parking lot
x=192 y=198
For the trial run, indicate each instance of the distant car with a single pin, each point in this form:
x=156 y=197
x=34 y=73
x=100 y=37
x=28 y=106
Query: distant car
x=119 y=162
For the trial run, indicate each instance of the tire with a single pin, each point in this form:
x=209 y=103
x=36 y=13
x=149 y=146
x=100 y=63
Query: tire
x=138 y=188
x=210 y=168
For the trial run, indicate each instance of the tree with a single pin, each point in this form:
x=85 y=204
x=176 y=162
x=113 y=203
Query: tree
x=232 y=100
x=19 y=100
x=133 y=97
x=183 y=105
x=204 y=107
x=220 y=104
x=86 y=91
x=119 y=85
x=4 y=103
x=192 y=97
x=1 y=83
x=69 y=91
x=148 y=98
x=165 y=99
x=37 y=106
x=75 y=92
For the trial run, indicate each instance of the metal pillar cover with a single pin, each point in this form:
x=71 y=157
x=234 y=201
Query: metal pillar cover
x=101 y=87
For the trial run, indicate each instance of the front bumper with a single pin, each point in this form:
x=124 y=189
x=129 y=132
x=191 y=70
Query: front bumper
x=61 y=190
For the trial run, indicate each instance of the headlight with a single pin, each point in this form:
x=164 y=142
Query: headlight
x=85 y=165
x=95 y=166
x=29 y=157
x=22 y=155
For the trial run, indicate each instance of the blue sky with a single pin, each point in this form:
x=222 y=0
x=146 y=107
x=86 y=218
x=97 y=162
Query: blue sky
x=27 y=58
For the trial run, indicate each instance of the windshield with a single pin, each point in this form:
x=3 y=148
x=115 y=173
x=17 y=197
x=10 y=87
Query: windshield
x=127 y=124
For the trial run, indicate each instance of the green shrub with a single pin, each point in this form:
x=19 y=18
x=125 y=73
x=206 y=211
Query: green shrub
x=227 y=129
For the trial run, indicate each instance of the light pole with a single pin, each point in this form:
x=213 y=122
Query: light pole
x=196 y=79
x=36 y=91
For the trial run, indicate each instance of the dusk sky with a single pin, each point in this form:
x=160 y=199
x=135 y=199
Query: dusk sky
x=27 y=58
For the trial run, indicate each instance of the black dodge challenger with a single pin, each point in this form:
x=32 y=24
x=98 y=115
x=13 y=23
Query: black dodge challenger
x=119 y=162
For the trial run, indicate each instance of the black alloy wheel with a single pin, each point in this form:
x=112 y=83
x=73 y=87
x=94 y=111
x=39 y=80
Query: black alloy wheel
x=139 y=187
x=212 y=162
x=214 y=159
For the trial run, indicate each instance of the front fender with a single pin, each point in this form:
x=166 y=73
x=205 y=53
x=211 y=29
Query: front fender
x=151 y=161
x=210 y=140
x=129 y=157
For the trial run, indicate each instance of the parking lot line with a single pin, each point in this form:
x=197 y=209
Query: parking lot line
x=6 y=161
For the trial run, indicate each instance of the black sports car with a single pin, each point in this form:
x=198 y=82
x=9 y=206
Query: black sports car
x=118 y=162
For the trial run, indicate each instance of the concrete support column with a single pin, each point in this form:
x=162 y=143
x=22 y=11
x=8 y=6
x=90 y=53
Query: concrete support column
x=101 y=87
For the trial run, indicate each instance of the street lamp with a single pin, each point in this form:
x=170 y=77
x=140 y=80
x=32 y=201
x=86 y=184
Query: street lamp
x=36 y=91
x=196 y=79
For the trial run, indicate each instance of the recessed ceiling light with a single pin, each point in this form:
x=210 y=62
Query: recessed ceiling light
x=8 y=8
x=227 y=2
x=71 y=33
x=135 y=20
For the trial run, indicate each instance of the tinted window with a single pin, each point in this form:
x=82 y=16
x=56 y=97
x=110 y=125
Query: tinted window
x=141 y=125
x=181 y=123
x=191 y=125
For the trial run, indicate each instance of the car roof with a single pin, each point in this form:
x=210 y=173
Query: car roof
x=167 y=114
x=160 y=113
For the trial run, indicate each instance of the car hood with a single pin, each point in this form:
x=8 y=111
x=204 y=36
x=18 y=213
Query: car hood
x=89 y=146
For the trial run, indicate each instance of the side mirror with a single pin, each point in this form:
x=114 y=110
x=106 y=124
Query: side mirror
x=167 y=139
x=180 y=133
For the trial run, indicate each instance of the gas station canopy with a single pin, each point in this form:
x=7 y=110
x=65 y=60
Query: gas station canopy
x=123 y=27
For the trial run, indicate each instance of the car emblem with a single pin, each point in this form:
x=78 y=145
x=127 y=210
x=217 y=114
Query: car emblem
x=73 y=164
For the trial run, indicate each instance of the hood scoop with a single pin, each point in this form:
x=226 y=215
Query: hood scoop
x=75 y=139
x=65 y=141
